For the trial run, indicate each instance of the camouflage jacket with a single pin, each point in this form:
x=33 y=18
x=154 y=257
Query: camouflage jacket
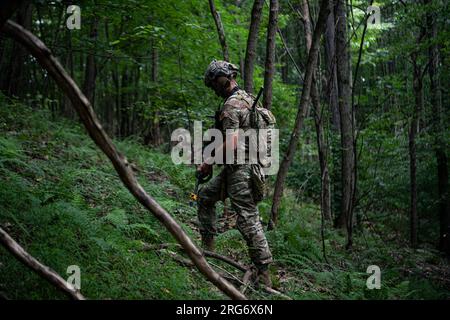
x=236 y=110
x=235 y=114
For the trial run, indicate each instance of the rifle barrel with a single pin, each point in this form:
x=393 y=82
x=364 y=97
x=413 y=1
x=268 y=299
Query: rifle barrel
x=255 y=103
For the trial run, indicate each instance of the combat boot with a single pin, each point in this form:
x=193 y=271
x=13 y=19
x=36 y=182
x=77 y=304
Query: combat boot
x=208 y=243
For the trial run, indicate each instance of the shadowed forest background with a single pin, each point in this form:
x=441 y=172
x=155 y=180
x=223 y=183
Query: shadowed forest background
x=362 y=108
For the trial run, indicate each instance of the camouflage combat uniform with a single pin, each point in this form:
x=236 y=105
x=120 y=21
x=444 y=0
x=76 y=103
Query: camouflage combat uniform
x=236 y=179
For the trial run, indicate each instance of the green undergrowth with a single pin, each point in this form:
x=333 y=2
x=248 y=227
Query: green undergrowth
x=61 y=199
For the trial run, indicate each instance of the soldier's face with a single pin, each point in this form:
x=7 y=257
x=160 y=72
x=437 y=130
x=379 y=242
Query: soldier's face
x=220 y=86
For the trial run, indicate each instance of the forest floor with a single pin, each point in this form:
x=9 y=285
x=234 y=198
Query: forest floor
x=61 y=199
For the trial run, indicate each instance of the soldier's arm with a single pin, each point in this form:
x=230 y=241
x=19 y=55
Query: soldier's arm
x=230 y=123
x=230 y=120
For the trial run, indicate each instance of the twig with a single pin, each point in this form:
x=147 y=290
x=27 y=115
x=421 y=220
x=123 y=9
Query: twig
x=176 y=257
x=224 y=259
x=276 y=292
x=207 y=253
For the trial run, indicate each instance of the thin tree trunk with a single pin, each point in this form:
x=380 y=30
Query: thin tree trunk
x=133 y=99
x=325 y=184
x=156 y=129
x=220 y=30
x=331 y=73
x=439 y=143
x=124 y=107
x=91 y=66
x=325 y=202
x=155 y=61
x=269 y=71
x=418 y=102
x=108 y=102
x=118 y=116
x=346 y=121
x=286 y=56
x=16 y=75
x=111 y=100
x=68 y=109
x=121 y=164
x=250 y=53
x=302 y=110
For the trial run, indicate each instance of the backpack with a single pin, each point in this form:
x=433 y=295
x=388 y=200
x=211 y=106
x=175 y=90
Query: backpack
x=261 y=118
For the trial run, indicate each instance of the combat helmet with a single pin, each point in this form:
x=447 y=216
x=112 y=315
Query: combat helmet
x=218 y=69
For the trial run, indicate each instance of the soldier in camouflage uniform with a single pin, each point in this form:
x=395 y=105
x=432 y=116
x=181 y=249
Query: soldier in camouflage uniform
x=235 y=180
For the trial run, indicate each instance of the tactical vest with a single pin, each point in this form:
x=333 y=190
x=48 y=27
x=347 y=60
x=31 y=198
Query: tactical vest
x=259 y=118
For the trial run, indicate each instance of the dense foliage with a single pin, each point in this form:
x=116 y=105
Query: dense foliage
x=141 y=63
x=62 y=200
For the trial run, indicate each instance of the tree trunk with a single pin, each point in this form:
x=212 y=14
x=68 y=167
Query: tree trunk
x=124 y=107
x=269 y=71
x=346 y=121
x=220 y=31
x=439 y=143
x=111 y=100
x=68 y=109
x=241 y=51
x=418 y=101
x=16 y=79
x=325 y=196
x=156 y=129
x=155 y=61
x=325 y=184
x=302 y=110
x=91 y=66
x=7 y=9
x=331 y=73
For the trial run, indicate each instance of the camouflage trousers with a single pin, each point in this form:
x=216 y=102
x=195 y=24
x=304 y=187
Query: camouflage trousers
x=236 y=179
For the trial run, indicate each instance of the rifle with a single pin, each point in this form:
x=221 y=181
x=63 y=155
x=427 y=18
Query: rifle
x=253 y=110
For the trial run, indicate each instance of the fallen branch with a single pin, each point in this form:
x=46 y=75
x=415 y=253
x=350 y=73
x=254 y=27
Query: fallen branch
x=230 y=261
x=188 y=263
x=84 y=109
x=206 y=253
x=45 y=272
x=183 y=261
x=276 y=292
